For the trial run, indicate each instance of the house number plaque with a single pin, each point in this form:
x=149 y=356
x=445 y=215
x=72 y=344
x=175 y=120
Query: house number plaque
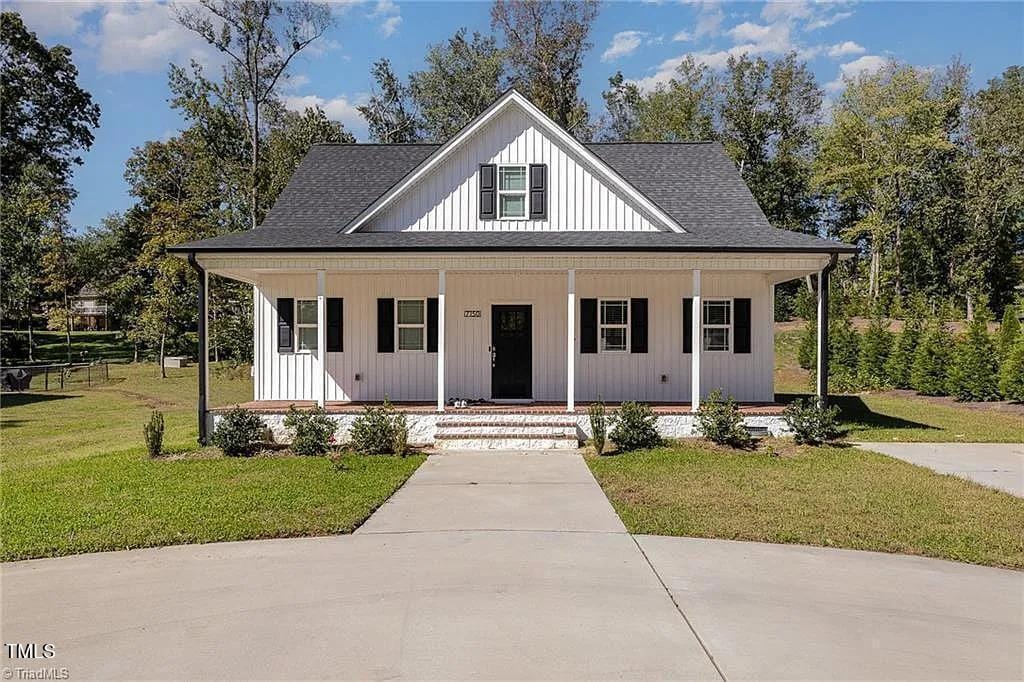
x=471 y=313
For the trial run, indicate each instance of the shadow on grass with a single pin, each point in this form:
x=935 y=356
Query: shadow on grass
x=854 y=412
x=19 y=399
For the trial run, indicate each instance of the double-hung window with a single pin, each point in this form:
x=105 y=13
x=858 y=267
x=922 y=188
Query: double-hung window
x=305 y=324
x=716 y=327
x=613 y=323
x=511 y=191
x=411 y=320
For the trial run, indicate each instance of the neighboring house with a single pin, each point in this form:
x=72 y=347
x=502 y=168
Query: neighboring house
x=513 y=264
x=88 y=310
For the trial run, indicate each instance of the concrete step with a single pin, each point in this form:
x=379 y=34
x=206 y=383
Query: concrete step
x=490 y=441
x=506 y=432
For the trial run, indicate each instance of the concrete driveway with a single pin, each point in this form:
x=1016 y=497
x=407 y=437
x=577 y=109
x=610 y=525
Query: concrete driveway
x=512 y=566
x=996 y=465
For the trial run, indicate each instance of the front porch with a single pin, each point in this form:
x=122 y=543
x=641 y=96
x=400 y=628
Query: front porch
x=548 y=408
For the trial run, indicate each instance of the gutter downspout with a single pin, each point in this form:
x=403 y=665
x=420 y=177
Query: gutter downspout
x=204 y=438
x=823 y=290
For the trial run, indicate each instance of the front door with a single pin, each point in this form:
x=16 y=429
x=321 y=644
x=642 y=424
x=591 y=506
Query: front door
x=511 y=352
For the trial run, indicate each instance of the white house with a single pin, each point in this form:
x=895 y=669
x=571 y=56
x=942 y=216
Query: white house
x=517 y=269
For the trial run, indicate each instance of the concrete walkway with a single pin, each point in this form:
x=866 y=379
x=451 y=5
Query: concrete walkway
x=996 y=465
x=505 y=566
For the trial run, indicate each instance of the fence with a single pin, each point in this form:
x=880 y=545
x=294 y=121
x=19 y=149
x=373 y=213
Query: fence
x=56 y=377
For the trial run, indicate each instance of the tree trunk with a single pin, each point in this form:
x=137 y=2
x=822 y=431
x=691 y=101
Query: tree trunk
x=30 y=337
x=876 y=258
x=163 y=370
x=135 y=351
x=254 y=167
x=970 y=307
x=67 y=325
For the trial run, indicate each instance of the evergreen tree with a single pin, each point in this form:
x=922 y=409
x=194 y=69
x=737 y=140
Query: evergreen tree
x=1009 y=332
x=901 y=360
x=844 y=354
x=929 y=373
x=974 y=373
x=875 y=348
x=1011 y=375
x=807 y=351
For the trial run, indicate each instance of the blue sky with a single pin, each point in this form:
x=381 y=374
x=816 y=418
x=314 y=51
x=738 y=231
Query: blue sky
x=123 y=50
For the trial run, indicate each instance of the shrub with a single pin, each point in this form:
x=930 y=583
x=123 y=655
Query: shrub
x=312 y=430
x=720 y=421
x=239 y=433
x=635 y=427
x=1011 y=375
x=153 y=432
x=812 y=423
x=598 y=425
x=843 y=355
x=901 y=359
x=807 y=351
x=875 y=347
x=380 y=431
x=1009 y=332
x=929 y=373
x=974 y=372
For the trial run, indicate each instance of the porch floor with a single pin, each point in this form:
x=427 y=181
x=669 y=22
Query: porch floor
x=541 y=407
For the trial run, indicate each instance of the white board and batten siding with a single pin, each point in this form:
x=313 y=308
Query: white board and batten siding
x=411 y=376
x=447 y=199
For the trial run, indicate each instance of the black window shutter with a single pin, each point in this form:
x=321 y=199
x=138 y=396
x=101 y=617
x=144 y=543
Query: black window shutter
x=385 y=325
x=741 y=325
x=687 y=325
x=638 y=325
x=431 y=325
x=488 y=191
x=588 y=325
x=335 y=325
x=285 y=319
x=538 y=191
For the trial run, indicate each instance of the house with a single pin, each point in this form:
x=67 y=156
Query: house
x=516 y=269
x=88 y=310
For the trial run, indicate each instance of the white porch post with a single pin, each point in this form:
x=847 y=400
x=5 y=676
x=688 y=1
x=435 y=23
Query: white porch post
x=321 y=336
x=698 y=344
x=440 y=339
x=570 y=357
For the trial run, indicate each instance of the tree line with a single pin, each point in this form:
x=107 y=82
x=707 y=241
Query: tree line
x=924 y=174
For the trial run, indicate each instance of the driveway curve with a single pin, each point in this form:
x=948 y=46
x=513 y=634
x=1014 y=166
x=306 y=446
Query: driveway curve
x=507 y=566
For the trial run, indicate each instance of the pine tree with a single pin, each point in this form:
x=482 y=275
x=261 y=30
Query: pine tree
x=875 y=348
x=1011 y=376
x=1009 y=332
x=844 y=351
x=928 y=374
x=974 y=373
x=901 y=359
x=807 y=351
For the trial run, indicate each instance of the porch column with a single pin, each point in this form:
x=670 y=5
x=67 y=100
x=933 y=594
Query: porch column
x=440 y=339
x=698 y=344
x=822 y=366
x=204 y=348
x=321 y=336
x=570 y=335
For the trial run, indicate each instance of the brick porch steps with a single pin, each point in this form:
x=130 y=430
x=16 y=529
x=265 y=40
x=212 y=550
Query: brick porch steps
x=504 y=432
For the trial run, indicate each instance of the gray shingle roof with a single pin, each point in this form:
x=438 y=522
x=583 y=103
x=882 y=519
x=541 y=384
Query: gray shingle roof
x=695 y=183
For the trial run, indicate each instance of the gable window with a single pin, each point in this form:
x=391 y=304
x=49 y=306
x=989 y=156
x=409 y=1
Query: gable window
x=716 y=327
x=411 y=321
x=613 y=323
x=512 y=191
x=305 y=325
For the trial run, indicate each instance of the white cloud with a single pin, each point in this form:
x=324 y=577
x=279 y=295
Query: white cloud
x=788 y=9
x=144 y=37
x=869 y=63
x=294 y=81
x=763 y=39
x=845 y=49
x=825 y=21
x=390 y=25
x=390 y=16
x=682 y=37
x=623 y=43
x=709 y=20
x=53 y=18
x=340 y=108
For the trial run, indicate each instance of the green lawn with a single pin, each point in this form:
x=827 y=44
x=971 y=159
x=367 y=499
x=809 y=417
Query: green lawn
x=889 y=417
x=75 y=477
x=834 y=497
x=50 y=346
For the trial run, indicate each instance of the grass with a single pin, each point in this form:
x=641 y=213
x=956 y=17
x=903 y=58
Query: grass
x=833 y=497
x=50 y=346
x=888 y=417
x=76 y=477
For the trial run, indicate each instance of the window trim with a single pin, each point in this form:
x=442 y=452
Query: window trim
x=299 y=326
x=601 y=326
x=731 y=341
x=399 y=326
x=525 y=192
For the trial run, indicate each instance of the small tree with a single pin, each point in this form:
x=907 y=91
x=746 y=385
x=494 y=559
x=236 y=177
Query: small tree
x=901 y=359
x=974 y=373
x=1009 y=332
x=598 y=425
x=875 y=348
x=807 y=351
x=929 y=373
x=1011 y=375
x=153 y=432
x=720 y=421
x=844 y=354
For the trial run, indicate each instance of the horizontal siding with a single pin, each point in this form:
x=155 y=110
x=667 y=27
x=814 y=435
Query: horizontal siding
x=447 y=199
x=613 y=377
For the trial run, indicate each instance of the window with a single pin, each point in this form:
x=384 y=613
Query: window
x=512 y=191
x=305 y=324
x=613 y=321
x=717 y=325
x=411 y=318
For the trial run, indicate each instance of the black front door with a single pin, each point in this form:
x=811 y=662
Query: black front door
x=511 y=352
